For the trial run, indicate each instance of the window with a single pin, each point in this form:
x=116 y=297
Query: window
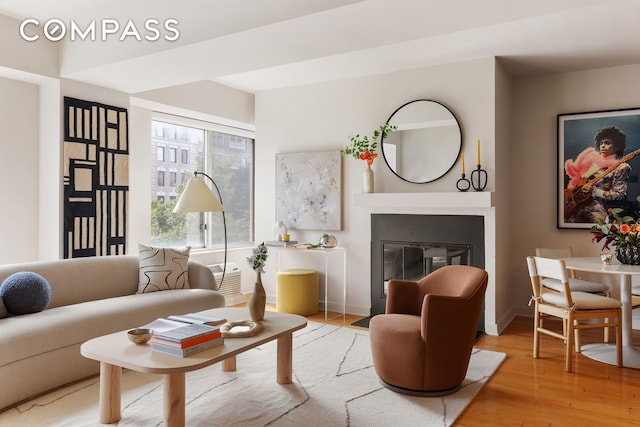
x=161 y=154
x=226 y=155
x=160 y=178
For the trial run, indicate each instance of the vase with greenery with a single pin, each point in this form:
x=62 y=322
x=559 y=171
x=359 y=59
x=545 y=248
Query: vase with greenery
x=364 y=148
x=258 y=300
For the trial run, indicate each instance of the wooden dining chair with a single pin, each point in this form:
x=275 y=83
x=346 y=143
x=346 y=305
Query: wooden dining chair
x=574 y=283
x=571 y=307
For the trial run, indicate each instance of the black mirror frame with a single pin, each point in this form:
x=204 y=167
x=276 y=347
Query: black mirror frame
x=454 y=161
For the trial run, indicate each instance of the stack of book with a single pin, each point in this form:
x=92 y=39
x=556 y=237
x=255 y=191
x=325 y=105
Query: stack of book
x=281 y=243
x=187 y=340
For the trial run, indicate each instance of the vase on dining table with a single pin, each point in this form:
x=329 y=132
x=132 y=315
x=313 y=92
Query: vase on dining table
x=628 y=254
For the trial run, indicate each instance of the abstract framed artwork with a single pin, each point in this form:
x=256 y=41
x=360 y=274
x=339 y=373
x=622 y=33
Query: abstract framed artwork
x=96 y=178
x=598 y=164
x=309 y=190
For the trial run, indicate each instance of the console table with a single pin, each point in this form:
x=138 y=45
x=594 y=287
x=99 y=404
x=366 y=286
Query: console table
x=327 y=254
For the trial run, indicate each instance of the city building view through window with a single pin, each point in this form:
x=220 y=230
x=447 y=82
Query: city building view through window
x=177 y=152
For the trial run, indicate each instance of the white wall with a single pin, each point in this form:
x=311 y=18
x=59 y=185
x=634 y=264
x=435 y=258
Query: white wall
x=503 y=149
x=536 y=103
x=19 y=171
x=322 y=117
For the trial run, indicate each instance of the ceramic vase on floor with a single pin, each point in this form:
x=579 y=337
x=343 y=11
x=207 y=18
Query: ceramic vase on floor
x=258 y=300
x=367 y=180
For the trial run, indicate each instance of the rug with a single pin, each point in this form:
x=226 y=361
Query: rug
x=334 y=384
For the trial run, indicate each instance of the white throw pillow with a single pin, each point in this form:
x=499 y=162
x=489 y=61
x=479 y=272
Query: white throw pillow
x=163 y=268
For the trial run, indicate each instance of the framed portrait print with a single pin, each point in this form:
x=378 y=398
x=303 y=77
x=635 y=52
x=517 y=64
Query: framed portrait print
x=309 y=190
x=598 y=165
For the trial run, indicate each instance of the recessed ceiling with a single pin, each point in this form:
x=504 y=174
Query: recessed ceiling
x=256 y=45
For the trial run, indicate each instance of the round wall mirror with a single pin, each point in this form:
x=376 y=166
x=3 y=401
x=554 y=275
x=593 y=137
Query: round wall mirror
x=425 y=145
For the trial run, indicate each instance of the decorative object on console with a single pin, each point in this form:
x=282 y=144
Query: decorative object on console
x=163 y=268
x=426 y=143
x=258 y=300
x=309 y=190
x=25 y=292
x=328 y=241
x=363 y=148
x=198 y=197
x=621 y=232
x=96 y=179
x=279 y=229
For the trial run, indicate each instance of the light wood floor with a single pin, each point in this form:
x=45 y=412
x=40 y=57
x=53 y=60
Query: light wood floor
x=538 y=392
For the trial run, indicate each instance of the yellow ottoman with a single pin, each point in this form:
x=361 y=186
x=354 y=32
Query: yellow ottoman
x=297 y=291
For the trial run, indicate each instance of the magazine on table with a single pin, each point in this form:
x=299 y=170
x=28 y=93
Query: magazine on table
x=198 y=318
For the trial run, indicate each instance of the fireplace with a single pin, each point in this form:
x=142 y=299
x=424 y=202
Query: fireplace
x=409 y=246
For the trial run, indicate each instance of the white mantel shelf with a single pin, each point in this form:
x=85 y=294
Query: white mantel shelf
x=449 y=200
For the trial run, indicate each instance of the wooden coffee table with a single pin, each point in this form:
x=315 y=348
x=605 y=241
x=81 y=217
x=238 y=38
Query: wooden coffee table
x=115 y=352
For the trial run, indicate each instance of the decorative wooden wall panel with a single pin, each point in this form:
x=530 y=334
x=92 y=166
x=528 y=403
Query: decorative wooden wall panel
x=96 y=178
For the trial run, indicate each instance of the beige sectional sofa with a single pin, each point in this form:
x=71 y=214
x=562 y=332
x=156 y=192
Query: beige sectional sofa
x=89 y=297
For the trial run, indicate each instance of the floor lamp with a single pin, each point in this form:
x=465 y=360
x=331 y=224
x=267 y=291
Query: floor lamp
x=198 y=197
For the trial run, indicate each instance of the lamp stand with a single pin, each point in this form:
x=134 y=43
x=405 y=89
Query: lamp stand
x=224 y=226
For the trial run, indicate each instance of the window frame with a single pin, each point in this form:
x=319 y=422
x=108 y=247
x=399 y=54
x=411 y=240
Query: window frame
x=233 y=128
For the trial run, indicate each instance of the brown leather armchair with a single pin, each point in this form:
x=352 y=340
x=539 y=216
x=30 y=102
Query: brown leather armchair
x=422 y=344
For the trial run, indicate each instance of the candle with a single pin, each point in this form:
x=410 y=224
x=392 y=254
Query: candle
x=462 y=155
x=478 y=152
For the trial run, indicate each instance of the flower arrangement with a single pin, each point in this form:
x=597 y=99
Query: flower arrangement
x=259 y=258
x=363 y=148
x=616 y=230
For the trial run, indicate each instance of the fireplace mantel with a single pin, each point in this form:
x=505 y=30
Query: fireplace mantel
x=453 y=200
x=481 y=203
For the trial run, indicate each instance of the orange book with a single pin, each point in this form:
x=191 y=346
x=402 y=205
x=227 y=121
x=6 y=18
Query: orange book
x=187 y=343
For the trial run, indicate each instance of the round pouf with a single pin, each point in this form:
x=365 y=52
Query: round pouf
x=25 y=292
x=297 y=291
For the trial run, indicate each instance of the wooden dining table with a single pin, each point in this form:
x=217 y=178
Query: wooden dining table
x=606 y=352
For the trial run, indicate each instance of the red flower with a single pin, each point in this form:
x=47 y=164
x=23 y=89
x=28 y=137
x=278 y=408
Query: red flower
x=368 y=156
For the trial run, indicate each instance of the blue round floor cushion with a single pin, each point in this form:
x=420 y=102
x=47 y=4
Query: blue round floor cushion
x=25 y=292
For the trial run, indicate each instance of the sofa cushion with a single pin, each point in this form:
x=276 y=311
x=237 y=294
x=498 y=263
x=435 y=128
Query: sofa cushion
x=25 y=292
x=3 y=310
x=27 y=336
x=162 y=269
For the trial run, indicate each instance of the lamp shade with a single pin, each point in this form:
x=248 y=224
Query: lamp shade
x=198 y=197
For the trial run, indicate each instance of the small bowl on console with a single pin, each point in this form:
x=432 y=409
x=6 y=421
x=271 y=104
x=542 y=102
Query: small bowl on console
x=139 y=335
